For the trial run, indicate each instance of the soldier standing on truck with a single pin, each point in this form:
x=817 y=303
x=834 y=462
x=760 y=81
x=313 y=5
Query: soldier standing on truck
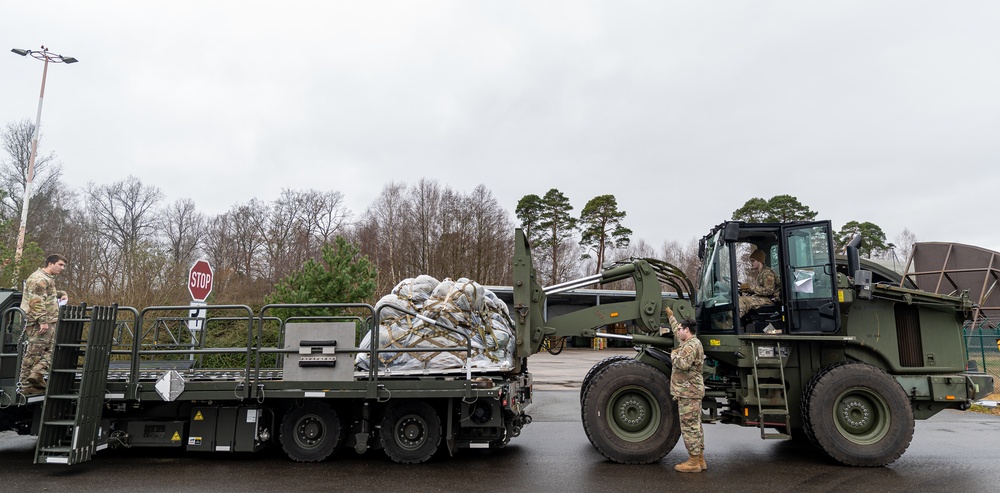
x=688 y=388
x=40 y=303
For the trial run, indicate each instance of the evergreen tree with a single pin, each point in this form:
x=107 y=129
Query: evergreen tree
x=777 y=209
x=872 y=238
x=549 y=228
x=529 y=212
x=342 y=275
x=602 y=228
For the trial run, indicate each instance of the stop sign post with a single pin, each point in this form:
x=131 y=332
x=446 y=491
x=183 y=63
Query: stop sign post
x=200 y=280
x=200 y=286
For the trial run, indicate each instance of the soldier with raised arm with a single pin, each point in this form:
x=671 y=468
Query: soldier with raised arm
x=687 y=387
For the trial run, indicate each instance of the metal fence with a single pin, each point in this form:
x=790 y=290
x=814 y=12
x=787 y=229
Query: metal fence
x=982 y=344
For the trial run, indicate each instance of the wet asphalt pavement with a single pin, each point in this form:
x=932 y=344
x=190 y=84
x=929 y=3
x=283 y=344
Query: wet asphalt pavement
x=953 y=452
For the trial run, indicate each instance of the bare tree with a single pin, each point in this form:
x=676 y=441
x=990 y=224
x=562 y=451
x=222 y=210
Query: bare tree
x=184 y=226
x=246 y=226
x=16 y=141
x=50 y=202
x=384 y=227
x=425 y=200
x=684 y=257
x=492 y=238
x=323 y=215
x=125 y=216
x=903 y=246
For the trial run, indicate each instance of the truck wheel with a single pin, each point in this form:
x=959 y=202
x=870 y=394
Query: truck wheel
x=604 y=363
x=807 y=393
x=411 y=432
x=628 y=413
x=859 y=415
x=310 y=433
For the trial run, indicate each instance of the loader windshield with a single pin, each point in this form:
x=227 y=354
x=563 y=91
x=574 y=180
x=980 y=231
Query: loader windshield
x=716 y=283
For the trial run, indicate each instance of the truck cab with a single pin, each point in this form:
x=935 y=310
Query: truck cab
x=801 y=257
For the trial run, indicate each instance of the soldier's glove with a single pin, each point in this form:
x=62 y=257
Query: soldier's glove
x=745 y=287
x=670 y=312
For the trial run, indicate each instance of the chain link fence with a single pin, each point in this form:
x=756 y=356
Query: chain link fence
x=982 y=344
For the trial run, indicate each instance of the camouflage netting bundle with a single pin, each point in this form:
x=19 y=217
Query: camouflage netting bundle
x=471 y=309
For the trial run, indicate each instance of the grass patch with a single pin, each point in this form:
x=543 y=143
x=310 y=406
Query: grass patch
x=988 y=410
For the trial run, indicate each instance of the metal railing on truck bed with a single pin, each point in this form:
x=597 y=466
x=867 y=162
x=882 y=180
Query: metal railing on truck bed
x=228 y=351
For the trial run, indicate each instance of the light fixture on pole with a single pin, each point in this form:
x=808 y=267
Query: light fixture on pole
x=46 y=57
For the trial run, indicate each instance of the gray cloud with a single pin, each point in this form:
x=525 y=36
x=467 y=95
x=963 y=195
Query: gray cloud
x=872 y=111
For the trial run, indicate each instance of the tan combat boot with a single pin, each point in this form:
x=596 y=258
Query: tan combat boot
x=693 y=464
x=701 y=462
x=36 y=380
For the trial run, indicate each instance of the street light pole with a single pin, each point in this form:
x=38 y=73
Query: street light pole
x=46 y=57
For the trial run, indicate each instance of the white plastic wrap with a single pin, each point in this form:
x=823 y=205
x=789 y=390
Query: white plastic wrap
x=475 y=313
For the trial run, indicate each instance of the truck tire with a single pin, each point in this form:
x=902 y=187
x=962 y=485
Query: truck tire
x=310 y=433
x=411 y=432
x=859 y=415
x=604 y=363
x=628 y=414
x=804 y=402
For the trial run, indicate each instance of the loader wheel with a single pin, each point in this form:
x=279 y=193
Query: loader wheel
x=310 y=433
x=411 y=432
x=628 y=413
x=859 y=415
x=606 y=362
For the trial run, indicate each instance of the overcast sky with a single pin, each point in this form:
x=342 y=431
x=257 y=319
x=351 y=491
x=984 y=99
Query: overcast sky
x=871 y=111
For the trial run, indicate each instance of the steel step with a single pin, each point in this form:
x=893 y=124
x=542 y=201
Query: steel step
x=61 y=422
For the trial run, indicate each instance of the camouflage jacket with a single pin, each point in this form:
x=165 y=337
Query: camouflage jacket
x=685 y=378
x=40 y=298
x=674 y=325
x=766 y=284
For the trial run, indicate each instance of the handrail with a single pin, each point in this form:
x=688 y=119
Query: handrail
x=137 y=352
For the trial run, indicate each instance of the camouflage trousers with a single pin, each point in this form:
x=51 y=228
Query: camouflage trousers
x=750 y=302
x=690 y=416
x=37 y=356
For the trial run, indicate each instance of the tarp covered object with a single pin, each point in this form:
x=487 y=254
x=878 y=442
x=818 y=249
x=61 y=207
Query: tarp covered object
x=472 y=310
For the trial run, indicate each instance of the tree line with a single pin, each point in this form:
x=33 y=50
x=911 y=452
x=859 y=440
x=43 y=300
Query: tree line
x=128 y=244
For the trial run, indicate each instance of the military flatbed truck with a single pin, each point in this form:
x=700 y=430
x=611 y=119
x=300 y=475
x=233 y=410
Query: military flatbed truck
x=293 y=383
x=856 y=359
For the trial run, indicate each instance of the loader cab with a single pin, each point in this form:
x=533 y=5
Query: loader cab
x=801 y=257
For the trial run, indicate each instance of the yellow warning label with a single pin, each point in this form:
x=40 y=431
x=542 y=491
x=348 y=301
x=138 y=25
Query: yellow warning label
x=714 y=342
x=176 y=437
x=198 y=416
x=840 y=295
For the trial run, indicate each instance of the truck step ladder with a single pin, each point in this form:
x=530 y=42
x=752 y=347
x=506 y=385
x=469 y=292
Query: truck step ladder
x=775 y=409
x=71 y=415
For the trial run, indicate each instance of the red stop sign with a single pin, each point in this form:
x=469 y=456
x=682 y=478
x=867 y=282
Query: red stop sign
x=200 y=280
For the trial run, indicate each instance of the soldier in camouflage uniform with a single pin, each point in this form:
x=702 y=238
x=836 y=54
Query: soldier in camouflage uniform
x=40 y=303
x=688 y=388
x=762 y=289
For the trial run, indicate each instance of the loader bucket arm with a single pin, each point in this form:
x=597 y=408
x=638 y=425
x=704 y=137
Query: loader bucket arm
x=529 y=303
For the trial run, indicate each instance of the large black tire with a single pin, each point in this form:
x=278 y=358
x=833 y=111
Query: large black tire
x=411 y=432
x=594 y=370
x=807 y=393
x=628 y=414
x=859 y=415
x=310 y=433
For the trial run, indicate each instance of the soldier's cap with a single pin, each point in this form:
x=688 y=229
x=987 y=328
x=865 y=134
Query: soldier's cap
x=757 y=255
